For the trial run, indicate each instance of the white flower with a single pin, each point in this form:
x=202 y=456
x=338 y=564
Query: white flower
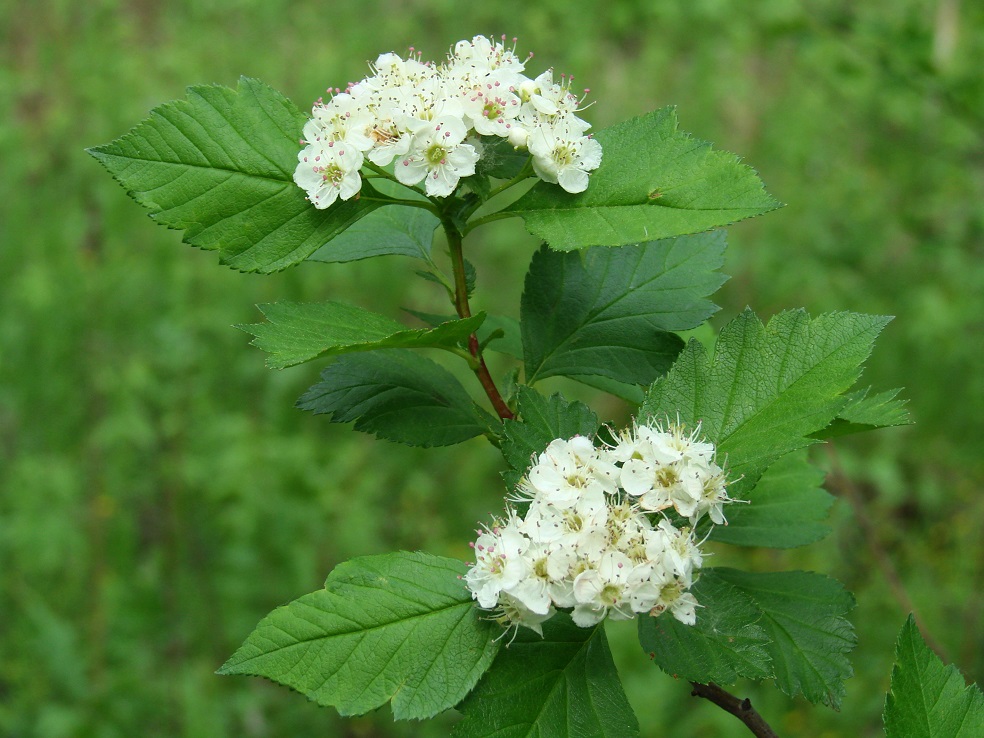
x=328 y=170
x=512 y=613
x=676 y=549
x=490 y=106
x=547 y=582
x=499 y=563
x=438 y=156
x=568 y=469
x=343 y=118
x=562 y=156
x=587 y=542
x=428 y=118
x=607 y=590
x=679 y=602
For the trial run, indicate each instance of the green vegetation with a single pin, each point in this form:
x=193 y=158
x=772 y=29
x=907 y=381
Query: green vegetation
x=144 y=446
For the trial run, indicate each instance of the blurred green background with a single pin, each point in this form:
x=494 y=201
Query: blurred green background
x=158 y=492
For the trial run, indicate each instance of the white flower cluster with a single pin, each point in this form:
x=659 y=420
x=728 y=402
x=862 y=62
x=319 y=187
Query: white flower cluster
x=598 y=535
x=427 y=117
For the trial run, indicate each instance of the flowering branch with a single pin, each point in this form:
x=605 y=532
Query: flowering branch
x=741 y=709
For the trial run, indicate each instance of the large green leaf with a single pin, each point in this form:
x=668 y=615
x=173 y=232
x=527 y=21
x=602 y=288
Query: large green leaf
x=654 y=182
x=400 y=230
x=541 y=421
x=398 y=627
x=725 y=643
x=803 y=615
x=398 y=395
x=219 y=166
x=787 y=507
x=563 y=685
x=926 y=698
x=608 y=312
x=766 y=389
x=300 y=331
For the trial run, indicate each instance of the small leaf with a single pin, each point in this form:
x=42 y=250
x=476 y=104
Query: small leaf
x=397 y=395
x=561 y=686
x=500 y=159
x=541 y=421
x=220 y=167
x=301 y=331
x=863 y=413
x=766 y=389
x=400 y=230
x=509 y=342
x=787 y=508
x=608 y=312
x=398 y=627
x=926 y=698
x=654 y=182
x=803 y=615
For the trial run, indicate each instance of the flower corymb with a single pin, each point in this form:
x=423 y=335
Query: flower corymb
x=427 y=120
x=608 y=532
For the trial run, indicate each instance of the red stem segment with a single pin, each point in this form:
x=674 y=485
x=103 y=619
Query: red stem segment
x=464 y=311
x=741 y=709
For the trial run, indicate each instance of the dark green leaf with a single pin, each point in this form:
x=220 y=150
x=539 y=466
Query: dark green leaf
x=631 y=393
x=395 y=229
x=787 y=508
x=766 y=389
x=300 y=331
x=398 y=627
x=654 y=182
x=928 y=699
x=803 y=615
x=725 y=643
x=608 y=312
x=561 y=686
x=220 y=167
x=397 y=395
x=541 y=421
x=863 y=413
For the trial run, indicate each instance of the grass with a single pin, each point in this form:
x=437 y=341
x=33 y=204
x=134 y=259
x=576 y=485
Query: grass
x=159 y=493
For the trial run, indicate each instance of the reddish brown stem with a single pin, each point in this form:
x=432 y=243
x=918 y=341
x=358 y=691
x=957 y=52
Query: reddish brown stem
x=741 y=709
x=464 y=311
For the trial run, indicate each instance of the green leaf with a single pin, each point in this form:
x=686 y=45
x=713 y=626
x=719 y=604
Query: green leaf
x=654 y=182
x=300 y=331
x=803 y=615
x=787 y=508
x=725 y=643
x=766 y=389
x=541 y=421
x=398 y=627
x=401 y=230
x=561 y=686
x=607 y=312
x=220 y=167
x=926 y=698
x=863 y=413
x=397 y=395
